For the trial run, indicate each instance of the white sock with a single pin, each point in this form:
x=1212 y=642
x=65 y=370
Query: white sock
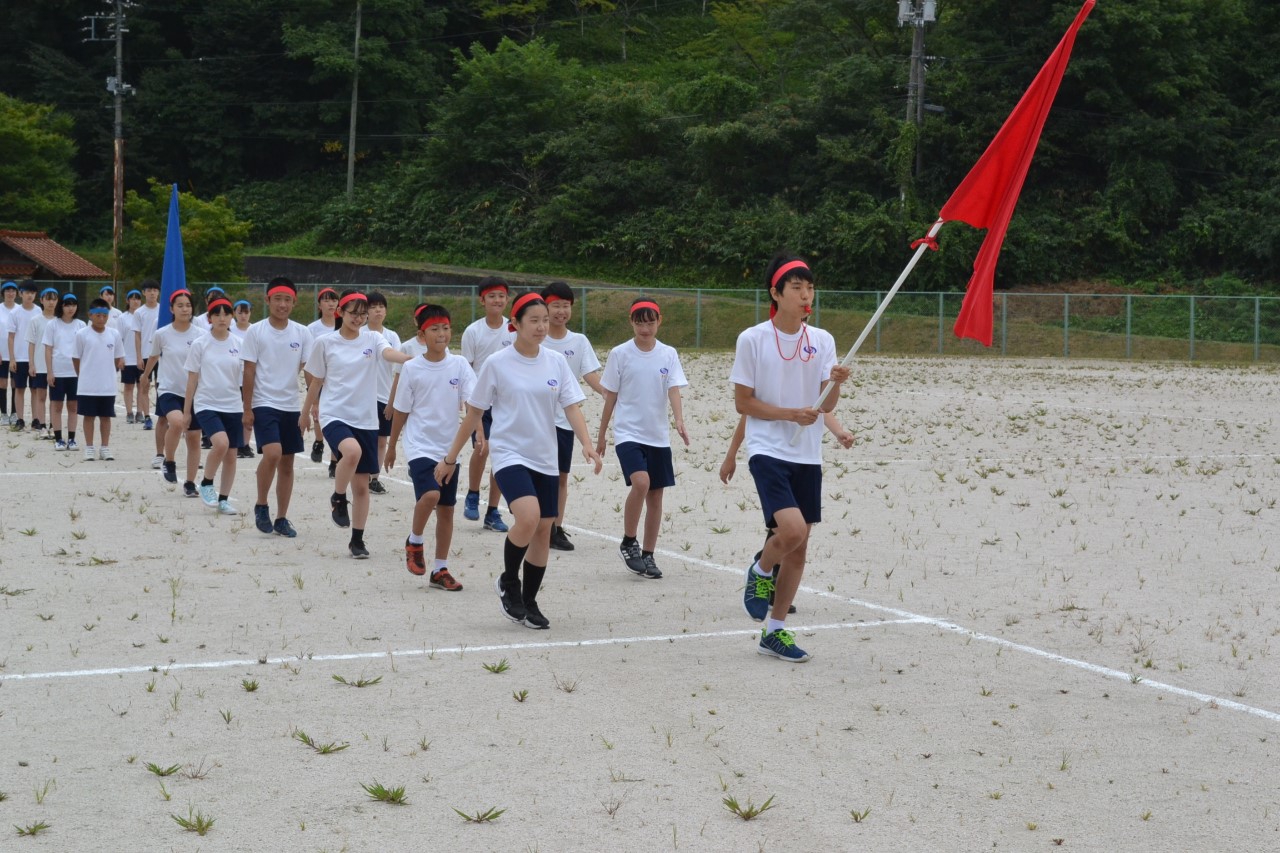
x=772 y=625
x=441 y=564
x=415 y=539
x=760 y=570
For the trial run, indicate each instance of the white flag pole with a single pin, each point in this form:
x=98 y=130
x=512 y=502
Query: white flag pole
x=875 y=318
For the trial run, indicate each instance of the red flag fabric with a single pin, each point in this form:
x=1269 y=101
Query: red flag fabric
x=988 y=194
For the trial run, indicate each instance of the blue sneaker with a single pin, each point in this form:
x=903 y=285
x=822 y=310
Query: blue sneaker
x=284 y=528
x=757 y=594
x=493 y=521
x=147 y=424
x=262 y=518
x=209 y=495
x=781 y=644
x=471 y=507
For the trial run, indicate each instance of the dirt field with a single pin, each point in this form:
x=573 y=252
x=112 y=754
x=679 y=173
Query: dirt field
x=1041 y=606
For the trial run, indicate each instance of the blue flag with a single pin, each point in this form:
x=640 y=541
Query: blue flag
x=173 y=275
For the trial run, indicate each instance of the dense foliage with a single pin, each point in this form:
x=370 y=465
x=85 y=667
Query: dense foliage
x=212 y=237
x=685 y=139
x=36 y=180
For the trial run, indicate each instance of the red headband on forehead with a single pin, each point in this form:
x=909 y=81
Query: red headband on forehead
x=281 y=288
x=786 y=268
x=520 y=303
x=351 y=297
x=328 y=290
x=551 y=297
x=497 y=285
x=640 y=305
x=217 y=303
x=182 y=291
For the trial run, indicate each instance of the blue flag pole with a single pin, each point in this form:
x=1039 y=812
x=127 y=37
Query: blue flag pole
x=173 y=275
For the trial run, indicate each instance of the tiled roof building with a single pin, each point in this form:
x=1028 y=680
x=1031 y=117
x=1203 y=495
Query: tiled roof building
x=33 y=254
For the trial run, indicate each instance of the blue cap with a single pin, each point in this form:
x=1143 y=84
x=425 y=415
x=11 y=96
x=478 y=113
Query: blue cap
x=133 y=293
x=70 y=297
x=245 y=302
x=52 y=290
x=7 y=285
x=106 y=288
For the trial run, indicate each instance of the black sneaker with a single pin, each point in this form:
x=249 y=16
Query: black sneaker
x=651 y=570
x=245 y=452
x=338 y=505
x=533 y=617
x=333 y=469
x=189 y=490
x=19 y=425
x=36 y=425
x=358 y=551
x=756 y=559
x=262 y=518
x=512 y=605
x=633 y=557
x=205 y=443
x=317 y=451
x=560 y=539
x=376 y=487
x=170 y=472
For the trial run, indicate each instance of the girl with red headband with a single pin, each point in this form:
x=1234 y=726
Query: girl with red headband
x=480 y=340
x=779 y=368
x=212 y=401
x=525 y=384
x=429 y=391
x=170 y=346
x=274 y=351
x=345 y=364
x=641 y=377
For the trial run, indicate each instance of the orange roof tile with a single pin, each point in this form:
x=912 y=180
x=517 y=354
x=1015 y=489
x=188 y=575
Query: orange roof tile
x=17 y=270
x=51 y=255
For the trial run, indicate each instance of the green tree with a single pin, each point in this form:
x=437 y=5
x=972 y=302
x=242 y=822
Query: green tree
x=212 y=237
x=36 y=179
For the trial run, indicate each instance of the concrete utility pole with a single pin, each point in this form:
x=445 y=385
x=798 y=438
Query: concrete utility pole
x=917 y=13
x=355 y=97
x=113 y=29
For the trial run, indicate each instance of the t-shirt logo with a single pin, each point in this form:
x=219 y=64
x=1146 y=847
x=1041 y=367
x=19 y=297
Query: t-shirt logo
x=234 y=351
x=552 y=383
x=294 y=345
x=663 y=371
x=568 y=352
x=810 y=350
x=368 y=351
x=453 y=381
x=506 y=343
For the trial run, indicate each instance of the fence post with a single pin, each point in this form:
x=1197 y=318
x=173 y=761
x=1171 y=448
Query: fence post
x=1257 y=328
x=939 y=322
x=817 y=308
x=757 y=292
x=1128 y=325
x=475 y=297
x=877 y=323
x=1004 y=324
x=582 y=319
x=1066 y=324
x=1191 y=303
x=697 y=334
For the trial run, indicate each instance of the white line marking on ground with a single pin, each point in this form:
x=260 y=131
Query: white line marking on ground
x=427 y=652
x=909 y=618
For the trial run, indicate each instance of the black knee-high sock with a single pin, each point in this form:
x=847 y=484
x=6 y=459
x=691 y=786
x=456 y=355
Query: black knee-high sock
x=511 y=557
x=532 y=580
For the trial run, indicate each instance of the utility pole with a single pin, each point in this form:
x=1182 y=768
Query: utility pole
x=917 y=13
x=355 y=98
x=113 y=29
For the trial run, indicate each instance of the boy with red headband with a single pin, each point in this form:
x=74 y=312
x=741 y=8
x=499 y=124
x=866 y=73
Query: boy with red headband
x=274 y=351
x=779 y=369
x=640 y=378
x=481 y=339
x=577 y=350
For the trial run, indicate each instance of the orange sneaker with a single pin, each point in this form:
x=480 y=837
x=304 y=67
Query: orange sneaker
x=413 y=560
x=441 y=579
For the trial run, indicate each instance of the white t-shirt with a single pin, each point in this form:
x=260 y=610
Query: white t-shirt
x=430 y=393
x=576 y=350
x=349 y=370
x=173 y=346
x=479 y=342
x=35 y=335
x=201 y=322
x=761 y=363
x=320 y=327
x=384 y=367
x=641 y=380
x=129 y=325
x=239 y=332
x=18 y=319
x=97 y=352
x=525 y=394
x=61 y=336
x=220 y=368
x=279 y=355
x=144 y=324
x=116 y=320
x=4 y=331
x=410 y=347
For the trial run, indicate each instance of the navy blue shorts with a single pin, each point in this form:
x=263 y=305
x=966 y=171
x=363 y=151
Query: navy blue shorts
x=64 y=389
x=4 y=368
x=21 y=374
x=336 y=432
x=39 y=382
x=655 y=461
x=423 y=473
x=486 y=423
x=212 y=423
x=167 y=403
x=272 y=426
x=517 y=481
x=564 y=449
x=96 y=407
x=384 y=425
x=130 y=374
x=783 y=485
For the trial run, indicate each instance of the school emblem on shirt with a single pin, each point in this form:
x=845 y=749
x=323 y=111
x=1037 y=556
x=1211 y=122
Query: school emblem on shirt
x=552 y=383
x=663 y=371
x=295 y=345
x=506 y=343
x=368 y=351
x=453 y=381
x=234 y=351
x=810 y=350
x=568 y=353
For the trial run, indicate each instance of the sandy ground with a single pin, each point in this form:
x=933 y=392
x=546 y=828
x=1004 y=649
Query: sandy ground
x=1041 y=606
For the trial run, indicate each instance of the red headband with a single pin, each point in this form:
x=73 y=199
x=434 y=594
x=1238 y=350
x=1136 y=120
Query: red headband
x=786 y=268
x=494 y=286
x=432 y=320
x=639 y=305
x=551 y=297
x=182 y=291
x=351 y=297
x=321 y=294
x=282 y=288
x=216 y=303
x=520 y=303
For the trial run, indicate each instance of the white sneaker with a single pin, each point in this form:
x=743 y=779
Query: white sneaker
x=157 y=461
x=225 y=508
x=104 y=453
x=89 y=455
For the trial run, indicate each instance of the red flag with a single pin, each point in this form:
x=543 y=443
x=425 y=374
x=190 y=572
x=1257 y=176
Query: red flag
x=988 y=194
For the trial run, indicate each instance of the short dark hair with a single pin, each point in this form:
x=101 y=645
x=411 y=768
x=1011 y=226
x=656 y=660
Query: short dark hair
x=558 y=289
x=98 y=303
x=377 y=298
x=427 y=313
x=281 y=281
x=800 y=272
x=150 y=284
x=491 y=282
